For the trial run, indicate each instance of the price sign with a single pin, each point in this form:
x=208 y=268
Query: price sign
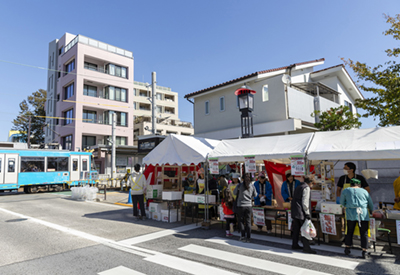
x=250 y=164
x=214 y=168
x=298 y=165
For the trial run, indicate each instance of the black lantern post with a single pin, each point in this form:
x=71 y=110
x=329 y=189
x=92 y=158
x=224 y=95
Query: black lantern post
x=246 y=107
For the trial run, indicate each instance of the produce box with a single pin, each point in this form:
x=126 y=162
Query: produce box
x=154 y=191
x=157 y=207
x=172 y=195
x=189 y=198
x=331 y=208
x=156 y=216
x=202 y=198
x=173 y=218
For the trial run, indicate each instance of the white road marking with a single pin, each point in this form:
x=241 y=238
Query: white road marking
x=187 y=266
x=159 y=234
x=249 y=261
x=121 y=270
x=287 y=253
x=322 y=247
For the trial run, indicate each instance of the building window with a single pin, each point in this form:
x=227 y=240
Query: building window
x=58 y=74
x=90 y=90
x=265 y=94
x=159 y=109
x=118 y=140
x=58 y=97
x=222 y=104
x=115 y=93
x=88 y=141
x=89 y=116
x=70 y=67
x=207 y=107
x=32 y=164
x=67 y=142
x=90 y=66
x=60 y=50
x=69 y=91
x=121 y=118
x=116 y=70
x=158 y=96
x=68 y=115
x=348 y=104
x=57 y=164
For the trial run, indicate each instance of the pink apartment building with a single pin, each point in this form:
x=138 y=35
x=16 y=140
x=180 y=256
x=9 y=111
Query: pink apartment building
x=88 y=80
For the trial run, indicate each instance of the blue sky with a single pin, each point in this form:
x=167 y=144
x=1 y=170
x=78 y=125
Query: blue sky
x=190 y=44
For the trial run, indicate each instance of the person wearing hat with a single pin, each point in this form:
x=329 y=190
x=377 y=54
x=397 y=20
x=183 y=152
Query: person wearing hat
x=264 y=196
x=357 y=202
x=138 y=187
x=288 y=187
x=233 y=184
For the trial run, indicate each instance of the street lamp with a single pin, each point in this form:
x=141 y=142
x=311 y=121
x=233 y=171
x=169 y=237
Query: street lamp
x=246 y=107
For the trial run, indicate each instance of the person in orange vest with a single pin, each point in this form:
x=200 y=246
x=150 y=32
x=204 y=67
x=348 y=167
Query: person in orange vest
x=138 y=187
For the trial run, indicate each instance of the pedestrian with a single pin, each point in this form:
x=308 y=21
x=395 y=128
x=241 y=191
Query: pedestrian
x=357 y=202
x=288 y=187
x=229 y=215
x=300 y=210
x=245 y=192
x=349 y=171
x=396 y=187
x=264 y=197
x=138 y=188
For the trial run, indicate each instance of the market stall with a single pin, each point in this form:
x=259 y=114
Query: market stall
x=358 y=144
x=173 y=159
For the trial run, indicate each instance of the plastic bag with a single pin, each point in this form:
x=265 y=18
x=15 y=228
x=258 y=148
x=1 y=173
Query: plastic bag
x=308 y=230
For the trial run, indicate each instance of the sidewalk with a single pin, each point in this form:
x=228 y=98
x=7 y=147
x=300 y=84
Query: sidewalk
x=115 y=197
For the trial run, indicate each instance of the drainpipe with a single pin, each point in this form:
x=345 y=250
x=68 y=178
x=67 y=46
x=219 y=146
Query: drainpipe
x=289 y=72
x=193 y=108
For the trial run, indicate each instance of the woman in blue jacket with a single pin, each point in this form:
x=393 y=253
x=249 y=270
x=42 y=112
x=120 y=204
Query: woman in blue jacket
x=288 y=187
x=264 y=197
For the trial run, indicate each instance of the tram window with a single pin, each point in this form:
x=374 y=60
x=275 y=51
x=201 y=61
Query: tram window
x=84 y=165
x=11 y=165
x=74 y=165
x=57 y=164
x=32 y=164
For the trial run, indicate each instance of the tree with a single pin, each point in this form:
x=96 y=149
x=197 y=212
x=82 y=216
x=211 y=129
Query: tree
x=34 y=108
x=385 y=80
x=340 y=118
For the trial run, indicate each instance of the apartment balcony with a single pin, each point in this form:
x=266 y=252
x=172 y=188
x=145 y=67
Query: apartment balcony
x=310 y=97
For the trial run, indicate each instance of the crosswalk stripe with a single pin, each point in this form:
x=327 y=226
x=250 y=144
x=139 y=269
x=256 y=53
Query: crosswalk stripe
x=287 y=253
x=120 y=270
x=249 y=261
x=187 y=266
x=328 y=248
x=159 y=234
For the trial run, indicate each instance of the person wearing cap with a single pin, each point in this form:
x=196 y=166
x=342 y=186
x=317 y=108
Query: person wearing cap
x=138 y=188
x=233 y=184
x=357 y=202
x=264 y=196
x=288 y=187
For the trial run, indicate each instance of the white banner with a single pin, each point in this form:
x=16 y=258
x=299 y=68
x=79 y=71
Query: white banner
x=258 y=216
x=214 y=168
x=328 y=225
x=250 y=164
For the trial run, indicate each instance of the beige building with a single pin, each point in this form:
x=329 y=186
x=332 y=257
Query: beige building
x=167 y=112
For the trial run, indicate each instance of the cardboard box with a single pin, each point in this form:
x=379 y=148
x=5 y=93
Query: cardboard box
x=331 y=208
x=202 y=198
x=157 y=207
x=154 y=191
x=171 y=195
x=174 y=217
x=189 y=198
x=156 y=216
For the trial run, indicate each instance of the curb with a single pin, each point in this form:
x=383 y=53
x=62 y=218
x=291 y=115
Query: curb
x=123 y=204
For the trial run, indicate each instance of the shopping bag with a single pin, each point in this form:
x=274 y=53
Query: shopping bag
x=308 y=230
x=221 y=213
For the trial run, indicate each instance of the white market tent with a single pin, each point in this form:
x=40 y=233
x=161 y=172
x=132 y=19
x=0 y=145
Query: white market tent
x=358 y=144
x=177 y=149
x=276 y=148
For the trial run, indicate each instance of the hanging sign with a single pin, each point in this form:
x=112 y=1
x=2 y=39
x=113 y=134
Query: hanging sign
x=214 y=168
x=398 y=231
x=289 y=213
x=250 y=164
x=328 y=225
x=298 y=165
x=258 y=216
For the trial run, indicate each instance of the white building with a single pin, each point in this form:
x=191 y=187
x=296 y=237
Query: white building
x=278 y=108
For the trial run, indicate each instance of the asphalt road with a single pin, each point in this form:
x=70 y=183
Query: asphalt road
x=49 y=233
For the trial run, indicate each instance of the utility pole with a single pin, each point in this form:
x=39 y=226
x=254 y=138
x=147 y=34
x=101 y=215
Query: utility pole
x=29 y=132
x=113 y=152
x=153 y=103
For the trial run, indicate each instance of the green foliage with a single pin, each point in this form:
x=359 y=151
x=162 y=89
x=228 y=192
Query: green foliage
x=383 y=81
x=33 y=107
x=340 y=118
